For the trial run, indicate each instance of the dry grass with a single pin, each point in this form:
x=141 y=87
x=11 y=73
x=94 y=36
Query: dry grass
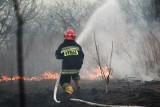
x=39 y=93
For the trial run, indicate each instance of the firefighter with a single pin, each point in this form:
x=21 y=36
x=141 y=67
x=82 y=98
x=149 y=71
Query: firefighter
x=72 y=59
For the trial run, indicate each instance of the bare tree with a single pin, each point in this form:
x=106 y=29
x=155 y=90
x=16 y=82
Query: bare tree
x=5 y=21
x=72 y=14
x=145 y=9
x=105 y=77
x=28 y=10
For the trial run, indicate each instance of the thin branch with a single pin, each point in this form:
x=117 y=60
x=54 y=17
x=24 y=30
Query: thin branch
x=98 y=59
x=110 y=65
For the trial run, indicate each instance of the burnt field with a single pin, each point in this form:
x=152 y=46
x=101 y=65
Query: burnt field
x=121 y=92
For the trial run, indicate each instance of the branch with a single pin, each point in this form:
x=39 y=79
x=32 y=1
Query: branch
x=98 y=59
x=110 y=67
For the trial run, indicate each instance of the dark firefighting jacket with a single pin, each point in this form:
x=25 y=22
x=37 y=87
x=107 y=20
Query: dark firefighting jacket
x=71 y=54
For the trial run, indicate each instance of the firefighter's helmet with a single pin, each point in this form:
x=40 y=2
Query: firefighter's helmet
x=69 y=34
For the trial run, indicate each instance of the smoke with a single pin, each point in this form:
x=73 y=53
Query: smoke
x=123 y=25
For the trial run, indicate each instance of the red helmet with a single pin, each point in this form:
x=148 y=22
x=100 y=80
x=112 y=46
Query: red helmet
x=69 y=34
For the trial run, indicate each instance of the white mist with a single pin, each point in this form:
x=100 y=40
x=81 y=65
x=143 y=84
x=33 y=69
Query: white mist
x=110 y=23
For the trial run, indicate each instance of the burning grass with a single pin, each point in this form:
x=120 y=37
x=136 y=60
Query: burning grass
x=45 y=75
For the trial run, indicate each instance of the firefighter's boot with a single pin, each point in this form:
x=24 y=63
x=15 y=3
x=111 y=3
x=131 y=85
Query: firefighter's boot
x=67 y=94
x=69 y=89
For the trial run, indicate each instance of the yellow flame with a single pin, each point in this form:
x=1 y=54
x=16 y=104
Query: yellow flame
x=92 y=75
x=45 y=75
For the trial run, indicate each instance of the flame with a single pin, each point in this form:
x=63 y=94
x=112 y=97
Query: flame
x=96 y=73
x=91 y=75
x=45 y=75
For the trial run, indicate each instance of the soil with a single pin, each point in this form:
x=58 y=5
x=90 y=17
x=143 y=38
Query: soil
x=121 y=92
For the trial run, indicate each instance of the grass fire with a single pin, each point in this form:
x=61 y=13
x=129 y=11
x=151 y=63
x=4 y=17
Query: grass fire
x=79 y=53
x=45 y=75
x=49 y=75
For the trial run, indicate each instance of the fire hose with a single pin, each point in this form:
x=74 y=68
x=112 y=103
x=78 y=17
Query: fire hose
x=55 y=91
x=82 y=101
x=74 y=99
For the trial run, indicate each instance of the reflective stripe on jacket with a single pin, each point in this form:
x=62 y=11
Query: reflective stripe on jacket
x=73 y=71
